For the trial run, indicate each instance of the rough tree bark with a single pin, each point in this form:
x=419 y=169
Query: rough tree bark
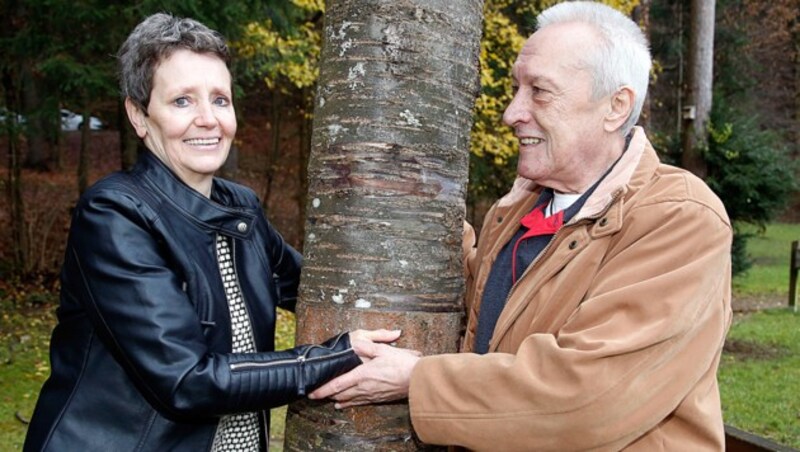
x=387 y=185
x=697 y=110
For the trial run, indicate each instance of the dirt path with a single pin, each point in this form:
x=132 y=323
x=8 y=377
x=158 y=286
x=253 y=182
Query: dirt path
x=752 y=303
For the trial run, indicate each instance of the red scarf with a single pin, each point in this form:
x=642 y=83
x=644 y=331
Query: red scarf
x=537 y=224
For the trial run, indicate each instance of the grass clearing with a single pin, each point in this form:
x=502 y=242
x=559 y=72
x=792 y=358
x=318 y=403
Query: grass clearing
x=24 y=364
x=770 y=252
x=759 y=375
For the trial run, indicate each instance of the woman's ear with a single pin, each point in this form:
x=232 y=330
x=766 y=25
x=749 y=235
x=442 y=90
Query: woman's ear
x=620 y=108
x=136 y=117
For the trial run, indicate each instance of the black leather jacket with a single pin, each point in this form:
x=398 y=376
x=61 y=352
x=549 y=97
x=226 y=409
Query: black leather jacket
x=140 y=358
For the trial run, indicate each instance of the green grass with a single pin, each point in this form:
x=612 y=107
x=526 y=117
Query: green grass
x=770 y=252
x=24 y=364
x=759 y=376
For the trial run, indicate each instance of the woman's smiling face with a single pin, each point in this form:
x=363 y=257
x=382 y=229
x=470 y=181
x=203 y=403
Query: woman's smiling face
x=190 y=121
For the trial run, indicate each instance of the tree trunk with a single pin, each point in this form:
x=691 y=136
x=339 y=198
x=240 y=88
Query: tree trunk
x=387 y=182
x=697 y=110
x=15 y=201
x=276 y=111
x=37 y=124
x=230 y=170
x=641 y=14
x=83 y=153
x=128 y=140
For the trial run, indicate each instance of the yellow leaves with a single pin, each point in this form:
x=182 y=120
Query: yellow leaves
x=500 y=45
x=278 y=58
x=311 y=5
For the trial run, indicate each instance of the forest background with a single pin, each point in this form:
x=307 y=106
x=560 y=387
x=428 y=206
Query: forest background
x=57 y=54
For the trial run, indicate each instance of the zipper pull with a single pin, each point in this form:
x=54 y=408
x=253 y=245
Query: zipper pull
x=301 y=383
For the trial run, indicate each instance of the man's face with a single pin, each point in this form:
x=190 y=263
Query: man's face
x=555 y=118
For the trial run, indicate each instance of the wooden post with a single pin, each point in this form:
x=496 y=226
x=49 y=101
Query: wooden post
x=793 y=269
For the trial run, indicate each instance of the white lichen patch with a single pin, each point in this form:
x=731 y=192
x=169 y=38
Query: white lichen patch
x=311 y=237
x=315 y=202
x=338 y=298
x=335 y=129
x=344 y=47
x=410 y=118
x=355 y=73
x=352 y=282
x=403 y=263
x=363 y=304
x=342 y=33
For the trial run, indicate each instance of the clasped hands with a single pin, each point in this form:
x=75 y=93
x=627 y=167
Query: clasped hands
x=383 y=377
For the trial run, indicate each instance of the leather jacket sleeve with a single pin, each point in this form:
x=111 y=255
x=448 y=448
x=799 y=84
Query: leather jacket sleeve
x=117 y=271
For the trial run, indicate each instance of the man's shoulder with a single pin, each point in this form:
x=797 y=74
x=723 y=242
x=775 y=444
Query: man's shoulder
x=673 y=184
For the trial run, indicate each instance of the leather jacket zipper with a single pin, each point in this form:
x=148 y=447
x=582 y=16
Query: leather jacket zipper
x=300 y=361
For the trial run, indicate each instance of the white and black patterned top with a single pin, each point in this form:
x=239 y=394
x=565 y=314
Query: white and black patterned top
x=236 y=432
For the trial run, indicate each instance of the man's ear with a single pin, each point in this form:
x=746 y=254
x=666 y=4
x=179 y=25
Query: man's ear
x=620 y=108
x=136 y=117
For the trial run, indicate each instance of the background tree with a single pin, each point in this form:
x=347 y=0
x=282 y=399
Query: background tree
x=699 y=90
x=387 y=183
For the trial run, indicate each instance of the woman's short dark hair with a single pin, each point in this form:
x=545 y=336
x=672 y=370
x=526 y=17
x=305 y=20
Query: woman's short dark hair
x=155 y=39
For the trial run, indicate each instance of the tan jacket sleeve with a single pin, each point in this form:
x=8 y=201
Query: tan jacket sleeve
x=649 y=329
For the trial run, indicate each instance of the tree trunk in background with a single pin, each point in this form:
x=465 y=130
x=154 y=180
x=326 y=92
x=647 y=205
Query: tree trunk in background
x=641 y=14
x=276 y=110
x=697 y=110
x=796 y=35
x=128 y=140
x=15 y=202
x=36 y=126
x=387 y=185
x=83 y=153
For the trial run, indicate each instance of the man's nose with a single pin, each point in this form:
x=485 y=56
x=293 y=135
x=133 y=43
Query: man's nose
x=517 y=111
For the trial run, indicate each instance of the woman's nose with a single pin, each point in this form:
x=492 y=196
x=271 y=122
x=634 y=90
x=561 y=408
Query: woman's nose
x=205 y=115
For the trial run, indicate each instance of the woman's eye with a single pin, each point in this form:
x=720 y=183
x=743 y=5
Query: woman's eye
x=182 y=102
x=222 y=101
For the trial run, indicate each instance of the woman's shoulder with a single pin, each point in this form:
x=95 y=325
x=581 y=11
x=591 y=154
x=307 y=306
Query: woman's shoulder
x=121 y=189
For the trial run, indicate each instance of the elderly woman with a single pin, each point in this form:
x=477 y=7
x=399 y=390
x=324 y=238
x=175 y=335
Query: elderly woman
x=165 y=332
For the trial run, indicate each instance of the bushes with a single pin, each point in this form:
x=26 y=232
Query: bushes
x=750 y=170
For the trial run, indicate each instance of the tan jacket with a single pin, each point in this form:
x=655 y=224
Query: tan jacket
x=612 y=337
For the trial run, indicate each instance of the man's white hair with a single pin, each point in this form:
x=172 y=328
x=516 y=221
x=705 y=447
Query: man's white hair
x=622 y=55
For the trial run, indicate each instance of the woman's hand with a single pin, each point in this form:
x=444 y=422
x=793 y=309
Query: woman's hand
x=383 y=377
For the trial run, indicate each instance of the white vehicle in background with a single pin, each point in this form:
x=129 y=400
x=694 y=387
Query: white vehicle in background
x=6 y=115
x=72 y=121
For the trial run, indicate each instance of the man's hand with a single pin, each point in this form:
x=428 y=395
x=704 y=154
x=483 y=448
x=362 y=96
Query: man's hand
x=385 y=336
x=383 y=377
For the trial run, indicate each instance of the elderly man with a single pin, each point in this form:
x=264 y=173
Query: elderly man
x=598 y=297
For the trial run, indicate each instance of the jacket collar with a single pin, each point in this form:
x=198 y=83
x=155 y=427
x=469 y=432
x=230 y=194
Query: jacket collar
x=225 y=213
